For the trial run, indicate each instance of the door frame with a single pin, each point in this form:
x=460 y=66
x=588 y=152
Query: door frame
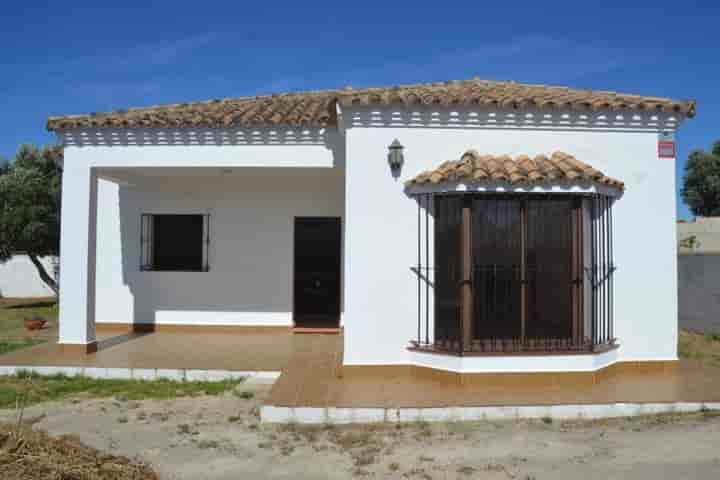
x=303 y=329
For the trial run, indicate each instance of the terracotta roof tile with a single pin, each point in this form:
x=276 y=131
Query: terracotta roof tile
x=318 y=108
x=521 y=170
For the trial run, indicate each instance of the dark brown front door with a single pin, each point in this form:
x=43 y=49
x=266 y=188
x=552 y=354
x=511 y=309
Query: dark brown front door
x=317 y=272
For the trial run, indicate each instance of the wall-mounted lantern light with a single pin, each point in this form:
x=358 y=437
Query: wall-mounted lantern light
x=395 y=156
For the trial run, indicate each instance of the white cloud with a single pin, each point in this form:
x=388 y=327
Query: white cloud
x=159 y=53
x=534 y=58
x=140 y=57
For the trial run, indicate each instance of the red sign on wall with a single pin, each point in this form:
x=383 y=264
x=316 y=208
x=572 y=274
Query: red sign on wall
x=666 y=149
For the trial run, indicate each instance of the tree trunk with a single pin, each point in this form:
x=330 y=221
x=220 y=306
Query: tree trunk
x=49 y=280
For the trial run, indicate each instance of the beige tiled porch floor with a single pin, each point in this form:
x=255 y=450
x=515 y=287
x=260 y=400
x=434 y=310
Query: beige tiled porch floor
x=202 y=350
x=310 y=366
x=691 y=382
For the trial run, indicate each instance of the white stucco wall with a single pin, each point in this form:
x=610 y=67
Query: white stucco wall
x=19 y=277
x=251 y=247
x=381 y=290
x=275 y=176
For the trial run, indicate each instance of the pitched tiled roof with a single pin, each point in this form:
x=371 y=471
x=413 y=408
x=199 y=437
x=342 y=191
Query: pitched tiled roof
x=559 y=167
x=318 y=108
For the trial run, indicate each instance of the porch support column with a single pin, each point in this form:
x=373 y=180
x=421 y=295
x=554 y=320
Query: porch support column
x=466 y=265
x=77 y=258
x=523 y=270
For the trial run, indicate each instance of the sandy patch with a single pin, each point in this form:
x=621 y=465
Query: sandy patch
x=220 y=437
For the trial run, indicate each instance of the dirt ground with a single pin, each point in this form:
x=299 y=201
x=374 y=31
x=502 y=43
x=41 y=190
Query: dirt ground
x=220 y=437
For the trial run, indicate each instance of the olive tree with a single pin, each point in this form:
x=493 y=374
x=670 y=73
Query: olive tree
x=701 y=182
x=30 y=206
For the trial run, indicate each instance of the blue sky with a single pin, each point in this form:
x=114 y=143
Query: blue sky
x=76 y=57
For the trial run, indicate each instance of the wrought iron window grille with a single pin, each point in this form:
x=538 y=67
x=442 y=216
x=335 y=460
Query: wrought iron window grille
x=583 y=324
x=195 y=258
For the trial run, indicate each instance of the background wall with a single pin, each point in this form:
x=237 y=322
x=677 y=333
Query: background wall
x=702 y=235
x=19 y=277
x=699 y=292
x=381 y=225
x=250 y=277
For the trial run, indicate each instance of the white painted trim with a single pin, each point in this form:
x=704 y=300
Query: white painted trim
x=178 y=374
x=515 y=364
x=340 y=119
x=650 y=359
x=206 y=318
x=469 y=117
x=114 y=179
x=180 y=210
x=565 y=188
x=342 y=415
x=121 y=157
x=81 y=137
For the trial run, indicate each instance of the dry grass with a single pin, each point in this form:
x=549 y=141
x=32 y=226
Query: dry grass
x=10 y=344
x=699 y=346
x=58 y=387
x=14 y=310
x=27 y=454
x=15 y=301
x=373 y=446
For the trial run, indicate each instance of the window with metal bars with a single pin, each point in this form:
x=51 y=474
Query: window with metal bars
x=175 y=242
x=515 y=273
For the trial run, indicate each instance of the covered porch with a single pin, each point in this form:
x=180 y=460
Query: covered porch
x=200 y=230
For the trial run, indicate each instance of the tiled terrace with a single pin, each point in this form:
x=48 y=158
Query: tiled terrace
x=312 y=375
x=417 y=388
x=251 y=350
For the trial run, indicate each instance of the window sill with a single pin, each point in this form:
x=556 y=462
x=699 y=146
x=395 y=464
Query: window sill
x=173 y=271
x=595 y=350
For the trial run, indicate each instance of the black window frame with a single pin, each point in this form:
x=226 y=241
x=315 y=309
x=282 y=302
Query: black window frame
x=148 y=246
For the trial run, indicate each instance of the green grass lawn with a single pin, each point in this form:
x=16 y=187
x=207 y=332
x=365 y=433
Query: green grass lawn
x=8 y=345
x=57 y=387
x=14 y=310
x=12 y=313
x=699 y=346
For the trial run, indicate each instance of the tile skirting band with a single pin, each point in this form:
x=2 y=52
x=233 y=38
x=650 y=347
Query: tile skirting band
x=179 y=374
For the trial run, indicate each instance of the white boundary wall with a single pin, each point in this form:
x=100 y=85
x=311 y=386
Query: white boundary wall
x=19 y=277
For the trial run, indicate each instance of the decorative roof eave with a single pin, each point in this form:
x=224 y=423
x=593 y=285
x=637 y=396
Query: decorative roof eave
x=558 y=173
x=319 y=108
x=561 y=188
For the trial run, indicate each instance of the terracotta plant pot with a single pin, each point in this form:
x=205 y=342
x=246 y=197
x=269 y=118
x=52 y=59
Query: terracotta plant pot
x=34 y=323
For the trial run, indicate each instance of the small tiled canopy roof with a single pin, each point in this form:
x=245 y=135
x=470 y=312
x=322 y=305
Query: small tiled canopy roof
x=521 y=170
x=318 y=108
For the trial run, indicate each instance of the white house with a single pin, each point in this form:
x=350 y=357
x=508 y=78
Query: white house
x=547 y=243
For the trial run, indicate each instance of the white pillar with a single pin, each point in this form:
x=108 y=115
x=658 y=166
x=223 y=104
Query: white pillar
x=77 y=257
